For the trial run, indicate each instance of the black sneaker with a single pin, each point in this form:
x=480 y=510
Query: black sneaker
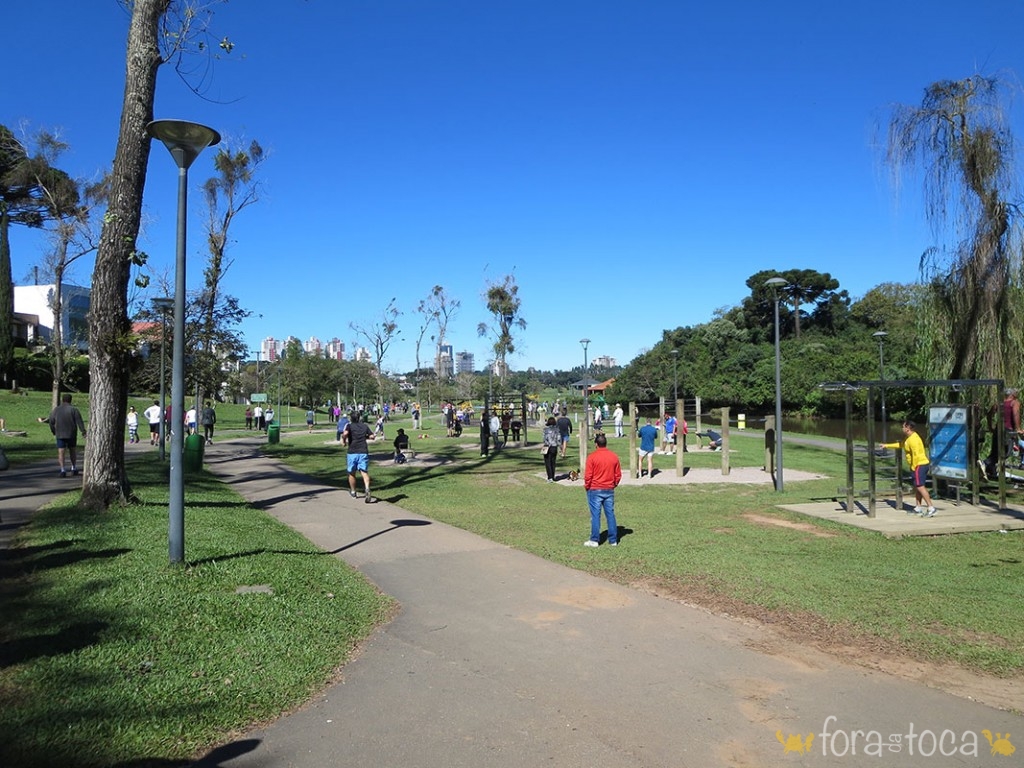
x=74 y=471
x=63 y=473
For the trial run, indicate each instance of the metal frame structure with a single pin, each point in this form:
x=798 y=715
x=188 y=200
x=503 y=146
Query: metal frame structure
x=955 y=386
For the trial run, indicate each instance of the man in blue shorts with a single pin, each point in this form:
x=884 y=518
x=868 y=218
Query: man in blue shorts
x=564 y=424
x=354 y=437
x=648 y=436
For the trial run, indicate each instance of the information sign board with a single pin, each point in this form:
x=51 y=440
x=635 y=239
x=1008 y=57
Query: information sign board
x=948 y=430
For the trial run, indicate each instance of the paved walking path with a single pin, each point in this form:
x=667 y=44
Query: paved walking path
x=499 y=658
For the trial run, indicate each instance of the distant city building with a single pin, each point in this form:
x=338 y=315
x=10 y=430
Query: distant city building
x=335 y=349
x=271 y=349
x=37 y=301
x=312 y=346
x=465 y=363
x=444 y=366
x=605 y=362
x=363 y=355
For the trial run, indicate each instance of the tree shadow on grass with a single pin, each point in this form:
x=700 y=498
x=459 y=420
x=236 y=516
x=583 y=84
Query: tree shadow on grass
x=73 y=637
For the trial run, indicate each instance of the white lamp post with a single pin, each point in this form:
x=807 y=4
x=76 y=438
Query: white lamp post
x=777 y=283
x=184 y=140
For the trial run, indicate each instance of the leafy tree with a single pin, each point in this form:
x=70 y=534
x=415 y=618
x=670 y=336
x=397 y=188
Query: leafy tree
x=504 y=304
x=160 y=31
x=959 y=138
x=32 y=192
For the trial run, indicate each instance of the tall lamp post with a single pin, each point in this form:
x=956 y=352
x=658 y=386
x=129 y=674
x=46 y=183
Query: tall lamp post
x=880 y=335
x=184 y=140
x=163 y=305
x=586 y=383
x=776 y=284
x=675 y=377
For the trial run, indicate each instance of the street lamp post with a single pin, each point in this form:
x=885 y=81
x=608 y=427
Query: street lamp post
x=163 y=305
x=184 y=140
x=880 y=335
x=675 y=377
x=777 y=283
x=586 y=384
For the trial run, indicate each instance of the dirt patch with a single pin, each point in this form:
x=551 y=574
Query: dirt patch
x=782 y=523
x=796 y=636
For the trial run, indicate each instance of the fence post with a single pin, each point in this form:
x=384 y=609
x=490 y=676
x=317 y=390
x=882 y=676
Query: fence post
x=725 y=441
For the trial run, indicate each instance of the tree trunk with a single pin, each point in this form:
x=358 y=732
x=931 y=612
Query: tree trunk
x=106 y=481
x=6 y=299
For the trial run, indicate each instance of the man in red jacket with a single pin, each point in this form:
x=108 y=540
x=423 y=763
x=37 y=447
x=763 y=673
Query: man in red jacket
x=602 y=474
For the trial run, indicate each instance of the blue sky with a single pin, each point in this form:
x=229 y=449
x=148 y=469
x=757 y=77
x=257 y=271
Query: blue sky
x=632 y=163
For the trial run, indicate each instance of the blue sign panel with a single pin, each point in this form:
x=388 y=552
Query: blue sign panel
x=947 y=428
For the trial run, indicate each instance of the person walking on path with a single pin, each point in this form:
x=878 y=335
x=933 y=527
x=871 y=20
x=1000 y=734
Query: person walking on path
x=648 y=436
x=355 y=438
x=153 y=415
x=133 y=424
x=601 y=475
x=550 y=447
x=208 y=419
x=65 y=423
x=310 y=419
x=564 y=424
x=917 y=460
x=485 y=434
x=1011 y=420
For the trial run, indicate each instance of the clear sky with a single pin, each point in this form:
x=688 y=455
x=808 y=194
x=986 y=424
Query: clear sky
x=631 y=162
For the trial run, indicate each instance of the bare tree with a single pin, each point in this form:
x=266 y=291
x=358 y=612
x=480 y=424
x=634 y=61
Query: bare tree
x=379 y=336
x=503 y=303
x=437 y=309
x=959 y=137
x=233 y=189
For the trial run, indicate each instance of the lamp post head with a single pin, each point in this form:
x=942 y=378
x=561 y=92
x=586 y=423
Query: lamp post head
x=183 y=139
x=775 y=283
x=584 y=343
x=880 y=335
x=163 y=304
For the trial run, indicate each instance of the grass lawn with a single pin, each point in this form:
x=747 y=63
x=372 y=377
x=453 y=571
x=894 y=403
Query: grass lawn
x=109 y=655
x=947 y=599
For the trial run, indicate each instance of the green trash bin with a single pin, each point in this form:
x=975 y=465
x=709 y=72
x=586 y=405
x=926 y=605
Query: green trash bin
x=274 y=433
x=193 y=457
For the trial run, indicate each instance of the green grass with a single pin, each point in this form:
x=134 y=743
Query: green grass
x=110 y=655
x=21 y=412
x=950 y=599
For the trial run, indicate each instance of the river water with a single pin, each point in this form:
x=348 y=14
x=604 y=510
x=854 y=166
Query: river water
x=812 y=427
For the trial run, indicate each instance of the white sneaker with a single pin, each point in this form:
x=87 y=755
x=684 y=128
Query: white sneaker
x=917 y=511
x=930 y=513
x=589 y=543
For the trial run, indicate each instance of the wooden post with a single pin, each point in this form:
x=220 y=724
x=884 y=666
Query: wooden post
x=725 y=441
x=634 y=459
x=584 y=436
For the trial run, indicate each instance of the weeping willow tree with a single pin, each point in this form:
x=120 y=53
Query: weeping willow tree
x=959 y=139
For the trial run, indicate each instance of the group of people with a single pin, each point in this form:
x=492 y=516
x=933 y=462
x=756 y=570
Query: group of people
x=258 y=418
x=193 y=419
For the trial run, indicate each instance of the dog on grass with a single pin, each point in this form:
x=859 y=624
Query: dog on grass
x=574 y=475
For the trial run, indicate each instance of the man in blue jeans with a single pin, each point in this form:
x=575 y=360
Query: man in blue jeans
x=600 y=477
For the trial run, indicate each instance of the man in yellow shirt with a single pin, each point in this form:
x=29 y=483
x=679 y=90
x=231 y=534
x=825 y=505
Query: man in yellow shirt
x=917 y=460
